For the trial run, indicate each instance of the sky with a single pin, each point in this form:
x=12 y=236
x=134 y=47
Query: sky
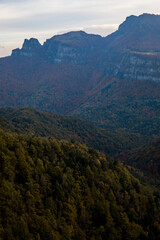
x=42 y=19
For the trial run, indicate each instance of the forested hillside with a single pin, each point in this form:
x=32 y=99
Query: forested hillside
x=33 y=122
x=147 y=158
x=59 y=190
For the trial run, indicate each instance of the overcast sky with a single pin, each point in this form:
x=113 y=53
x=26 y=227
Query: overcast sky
x=20 y=19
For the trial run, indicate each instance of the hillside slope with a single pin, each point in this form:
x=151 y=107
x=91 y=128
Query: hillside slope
x=58 y=190
x=33 y=122
x=147 y=158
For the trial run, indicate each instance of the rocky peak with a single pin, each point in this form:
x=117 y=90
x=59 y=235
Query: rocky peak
x=70 y=35
x=74 y=38
x=148 y=21
x=75 y=46
x=140 y=33
x=30 y=48
x=31 y=44
x=128 y=23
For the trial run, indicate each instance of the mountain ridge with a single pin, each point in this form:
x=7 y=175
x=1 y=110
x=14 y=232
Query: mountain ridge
x=59 y=46
x=37 y=123
x=107 y=81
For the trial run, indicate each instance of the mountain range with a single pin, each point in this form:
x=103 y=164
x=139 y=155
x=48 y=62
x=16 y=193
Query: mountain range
x=110 y=81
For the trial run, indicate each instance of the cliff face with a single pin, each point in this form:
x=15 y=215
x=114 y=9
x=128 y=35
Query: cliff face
x=134 y=65
x=140 y=67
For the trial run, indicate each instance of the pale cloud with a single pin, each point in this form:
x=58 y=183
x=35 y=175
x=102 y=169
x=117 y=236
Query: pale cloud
x=4 y=51
x=1 y=46
x=46 y=20
x=102 y=30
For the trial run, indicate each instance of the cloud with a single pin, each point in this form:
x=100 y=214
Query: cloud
x=47 y=20
x=3 y=51
x=103 y=29
x=13 y=1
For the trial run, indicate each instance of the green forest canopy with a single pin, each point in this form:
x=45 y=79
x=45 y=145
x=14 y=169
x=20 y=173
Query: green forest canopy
x=59 y=190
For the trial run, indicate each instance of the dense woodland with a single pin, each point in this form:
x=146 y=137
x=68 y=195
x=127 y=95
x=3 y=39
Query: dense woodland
x=33 y=122
x=147 y=159
x=60 y=190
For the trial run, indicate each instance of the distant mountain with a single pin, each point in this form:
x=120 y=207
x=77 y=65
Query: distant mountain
x=30 y=48
x=137 y=34
x=112 y=82
x=127 y=94
x=133 y=51
x=74 y=47
x=53 y=77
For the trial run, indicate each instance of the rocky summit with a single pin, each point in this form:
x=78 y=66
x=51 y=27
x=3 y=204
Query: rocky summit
x=137 y=33
x=30 y=48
